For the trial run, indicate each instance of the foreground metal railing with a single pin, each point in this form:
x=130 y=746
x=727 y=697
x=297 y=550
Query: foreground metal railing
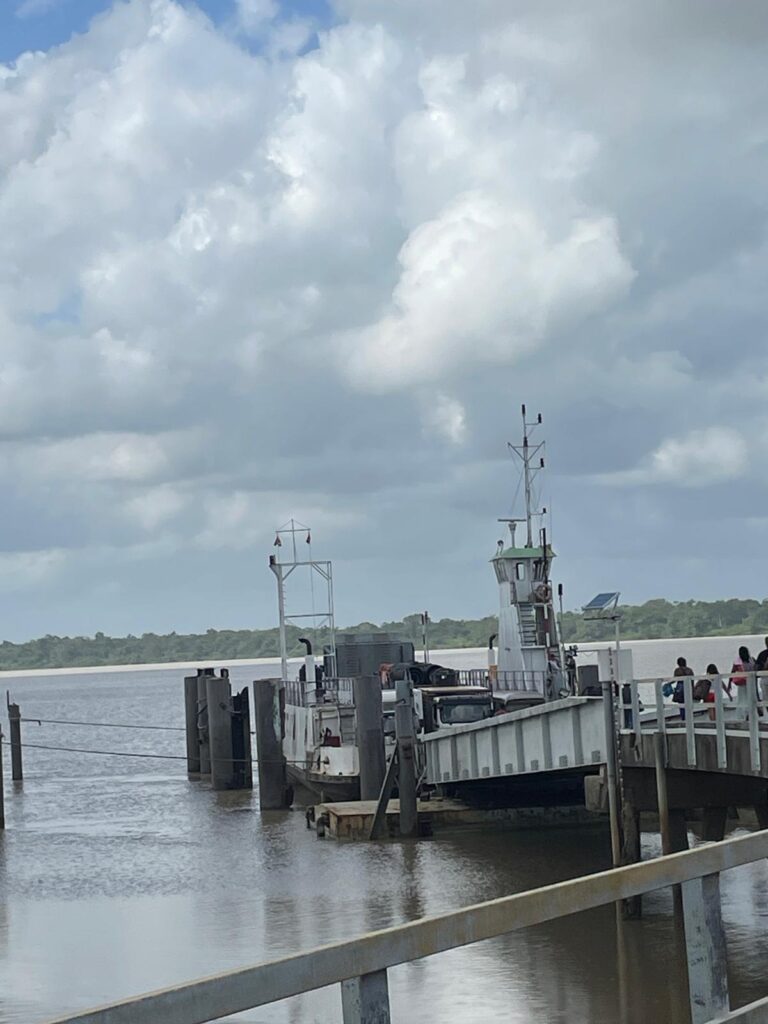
x=360 y=965
x=644 y=709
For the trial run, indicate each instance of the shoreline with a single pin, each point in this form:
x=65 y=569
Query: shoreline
x=441 y=653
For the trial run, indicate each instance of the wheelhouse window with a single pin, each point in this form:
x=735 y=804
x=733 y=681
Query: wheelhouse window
x=520 y=570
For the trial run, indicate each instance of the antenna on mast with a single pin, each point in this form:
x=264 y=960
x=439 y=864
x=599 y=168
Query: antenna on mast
x=528 y=454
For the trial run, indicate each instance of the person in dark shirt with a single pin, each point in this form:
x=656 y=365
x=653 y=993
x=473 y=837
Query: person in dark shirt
x=762 y=666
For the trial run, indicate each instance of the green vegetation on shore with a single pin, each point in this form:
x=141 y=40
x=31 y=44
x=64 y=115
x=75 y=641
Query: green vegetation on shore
x=652 y=620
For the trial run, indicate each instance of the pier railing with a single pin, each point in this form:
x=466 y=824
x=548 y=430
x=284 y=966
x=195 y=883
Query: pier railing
x=360 y=965
x=644 y=709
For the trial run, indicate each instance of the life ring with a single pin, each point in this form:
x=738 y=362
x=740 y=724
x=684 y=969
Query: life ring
x=543 y=592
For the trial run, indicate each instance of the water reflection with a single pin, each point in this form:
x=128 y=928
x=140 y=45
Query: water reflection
x=120 y=876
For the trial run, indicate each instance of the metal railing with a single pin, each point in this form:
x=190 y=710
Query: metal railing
x=303 y=694
x=524 y=681
x=644 y=709
x=360 y=965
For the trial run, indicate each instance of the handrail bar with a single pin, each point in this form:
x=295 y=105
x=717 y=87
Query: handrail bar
x=220 y=995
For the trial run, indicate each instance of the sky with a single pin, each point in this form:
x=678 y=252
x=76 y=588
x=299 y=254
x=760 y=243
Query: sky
x=262 y=260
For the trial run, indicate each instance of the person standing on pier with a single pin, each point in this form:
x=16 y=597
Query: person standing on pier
x=745 y=663
x=679 y=695
x=762 y=666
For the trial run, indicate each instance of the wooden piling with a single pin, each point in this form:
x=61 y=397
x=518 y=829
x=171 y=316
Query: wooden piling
x=370 y=735
x=406 y=740
x=14 y=728
x=268 y=704
x=2 y=783
x=219 y=702
x=190 y=721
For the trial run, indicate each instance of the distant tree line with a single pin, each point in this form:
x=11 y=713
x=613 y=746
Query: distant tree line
x=654 y=619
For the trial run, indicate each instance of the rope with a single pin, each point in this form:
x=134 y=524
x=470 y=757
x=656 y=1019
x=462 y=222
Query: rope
x=102 y=725
x=163 y=757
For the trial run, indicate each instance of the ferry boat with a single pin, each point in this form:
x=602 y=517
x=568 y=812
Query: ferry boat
x=526 y=668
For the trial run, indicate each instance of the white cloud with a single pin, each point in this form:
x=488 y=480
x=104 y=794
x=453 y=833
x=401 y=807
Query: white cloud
x=237 y=282
x=254 y=15
x=700 y=458
x=446 y=417
x=31 y=8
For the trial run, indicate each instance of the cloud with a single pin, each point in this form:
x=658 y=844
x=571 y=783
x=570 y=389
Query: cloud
x=446 y=417
x=32 y=8
x=700 y=458
x=241 y=281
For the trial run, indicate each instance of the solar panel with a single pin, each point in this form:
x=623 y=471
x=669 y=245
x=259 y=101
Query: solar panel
x=602 y=602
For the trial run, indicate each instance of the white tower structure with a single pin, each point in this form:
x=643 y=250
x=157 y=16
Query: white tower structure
x=529 y=657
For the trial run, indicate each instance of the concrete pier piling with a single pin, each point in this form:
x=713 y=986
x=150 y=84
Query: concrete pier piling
x=268 y=703
x=190 y=722
x=370 y=735
x=219 y=706
x=14 y=728
x=202 y=721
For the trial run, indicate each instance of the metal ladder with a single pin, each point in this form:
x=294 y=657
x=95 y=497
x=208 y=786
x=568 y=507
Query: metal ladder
x=527 y=615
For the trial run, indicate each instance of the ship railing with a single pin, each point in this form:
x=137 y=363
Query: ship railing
x=645 y=706
x=523 y=681
x=360 y=965
x=303 y=694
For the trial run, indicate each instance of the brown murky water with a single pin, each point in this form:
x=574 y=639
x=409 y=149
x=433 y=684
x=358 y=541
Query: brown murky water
x=119 y=875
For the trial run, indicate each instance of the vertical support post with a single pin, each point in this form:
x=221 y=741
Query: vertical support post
x=14 y=728
x=661 y=719
x=705 y=948
x=2 y=784
x=190 y=722
x=268 y=698
x=722 y=750
x=662 y=797
x=219 y=699
x=406 y=741
x=754 y=722
x=690 y=735
x=202 y=721
x=241 y=740
x=365 y=1000
x=369 y=724
x=635 y=698
x=611 y=762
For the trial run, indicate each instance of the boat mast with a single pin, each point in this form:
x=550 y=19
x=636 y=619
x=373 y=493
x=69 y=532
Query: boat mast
x=528 y=453
x=319 y=619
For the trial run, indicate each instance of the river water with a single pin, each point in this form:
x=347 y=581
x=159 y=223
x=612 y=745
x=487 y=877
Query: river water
x=119 y=875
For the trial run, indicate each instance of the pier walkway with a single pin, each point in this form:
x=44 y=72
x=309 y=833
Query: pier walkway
x=360 y=965
x=724 y=760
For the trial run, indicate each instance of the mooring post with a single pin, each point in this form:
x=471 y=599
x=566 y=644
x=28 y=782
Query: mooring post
x=241 y=740
x=219 y=699
x=406 y=740
x=14 y=728
x=705 y=948
x=268 y=704
x=365 y=1000
x=369 y=722
x=662 y=796
x=2 y=783
x=190 y=722
x=202 y=721
x=611 y=765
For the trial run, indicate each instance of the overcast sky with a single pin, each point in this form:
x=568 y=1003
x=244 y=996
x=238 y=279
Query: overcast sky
x=259 y=261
